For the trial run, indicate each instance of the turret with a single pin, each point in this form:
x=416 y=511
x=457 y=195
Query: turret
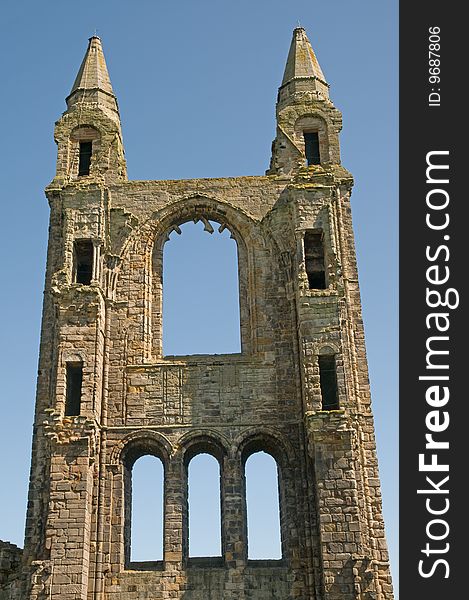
x=308 y=124
x=88 y=134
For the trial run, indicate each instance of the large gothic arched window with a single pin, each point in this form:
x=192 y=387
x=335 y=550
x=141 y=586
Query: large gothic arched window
x=200 y=291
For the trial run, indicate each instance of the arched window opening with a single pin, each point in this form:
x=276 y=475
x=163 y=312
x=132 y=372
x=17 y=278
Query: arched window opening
x=263 y=510
x=204 y=506
x=147 y=510
x=201 y=291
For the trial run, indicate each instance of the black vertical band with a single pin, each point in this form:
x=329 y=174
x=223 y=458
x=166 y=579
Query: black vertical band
x=434 y=435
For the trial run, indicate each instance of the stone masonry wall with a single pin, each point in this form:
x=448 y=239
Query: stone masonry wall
x=10 y=562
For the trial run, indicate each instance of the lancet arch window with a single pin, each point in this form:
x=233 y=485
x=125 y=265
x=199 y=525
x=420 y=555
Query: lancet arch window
x=263 y=502
x=144 y=465
x=203 y=534
x=195 y=486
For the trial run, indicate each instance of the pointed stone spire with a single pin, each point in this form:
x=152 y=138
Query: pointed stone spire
x=303 y=66
x=92 y=84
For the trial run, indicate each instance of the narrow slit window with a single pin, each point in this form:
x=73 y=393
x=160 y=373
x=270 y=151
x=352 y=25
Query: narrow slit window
x=84 y=163
x=83 y=256
x=328 y=381
x=313 y=156
x=74 y=377
x=314 y=259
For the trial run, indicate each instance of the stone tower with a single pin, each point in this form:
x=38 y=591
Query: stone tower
x=107 y=394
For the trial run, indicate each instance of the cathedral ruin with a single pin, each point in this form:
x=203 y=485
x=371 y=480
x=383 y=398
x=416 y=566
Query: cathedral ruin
x=108 y=395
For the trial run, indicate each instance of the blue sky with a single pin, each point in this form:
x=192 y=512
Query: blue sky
x=196 y=84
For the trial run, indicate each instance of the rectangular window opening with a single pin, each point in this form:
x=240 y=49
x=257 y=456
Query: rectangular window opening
x=312 y=148
x=314 y=260
x=83 y=261
x=86 y=149
x=328 y=382
x=74 y=377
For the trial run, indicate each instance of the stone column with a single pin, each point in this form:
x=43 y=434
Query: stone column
x=69 y=519
x=234 y=533
x=175 y=515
